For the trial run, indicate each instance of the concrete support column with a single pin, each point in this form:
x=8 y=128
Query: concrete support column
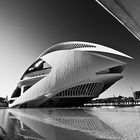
x=22 y=89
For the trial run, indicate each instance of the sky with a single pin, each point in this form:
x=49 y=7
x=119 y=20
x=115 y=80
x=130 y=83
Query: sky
x=29 y=27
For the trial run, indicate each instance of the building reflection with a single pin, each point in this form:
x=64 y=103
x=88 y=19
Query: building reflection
x=53 y=124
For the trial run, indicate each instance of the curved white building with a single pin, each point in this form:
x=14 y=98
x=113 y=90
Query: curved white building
x=68 y=74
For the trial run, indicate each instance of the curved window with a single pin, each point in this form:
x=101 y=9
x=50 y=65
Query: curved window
x=16 y=92
x=37 y=66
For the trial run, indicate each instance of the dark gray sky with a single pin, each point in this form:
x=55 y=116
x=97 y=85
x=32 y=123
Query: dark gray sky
x=28 y=27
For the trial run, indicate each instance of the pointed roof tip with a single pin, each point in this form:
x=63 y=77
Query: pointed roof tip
x=130 y=57
x=104 y=48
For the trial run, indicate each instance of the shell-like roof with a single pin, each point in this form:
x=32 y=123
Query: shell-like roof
x=82 y=46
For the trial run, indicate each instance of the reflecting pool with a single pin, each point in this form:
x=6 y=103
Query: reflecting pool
x=70 y=124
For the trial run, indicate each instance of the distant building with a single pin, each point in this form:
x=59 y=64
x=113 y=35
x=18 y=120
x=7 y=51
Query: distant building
x=3 y=102
x=136 y=95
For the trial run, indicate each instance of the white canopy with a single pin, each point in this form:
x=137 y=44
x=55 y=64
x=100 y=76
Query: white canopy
x=126 y=12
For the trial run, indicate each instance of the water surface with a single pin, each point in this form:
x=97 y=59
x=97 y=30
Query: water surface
x=70 y=124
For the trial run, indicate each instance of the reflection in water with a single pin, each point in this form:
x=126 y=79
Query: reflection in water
x=53 y=124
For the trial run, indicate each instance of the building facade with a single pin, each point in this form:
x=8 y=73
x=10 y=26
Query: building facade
x=68 y=74
x=136 y=95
